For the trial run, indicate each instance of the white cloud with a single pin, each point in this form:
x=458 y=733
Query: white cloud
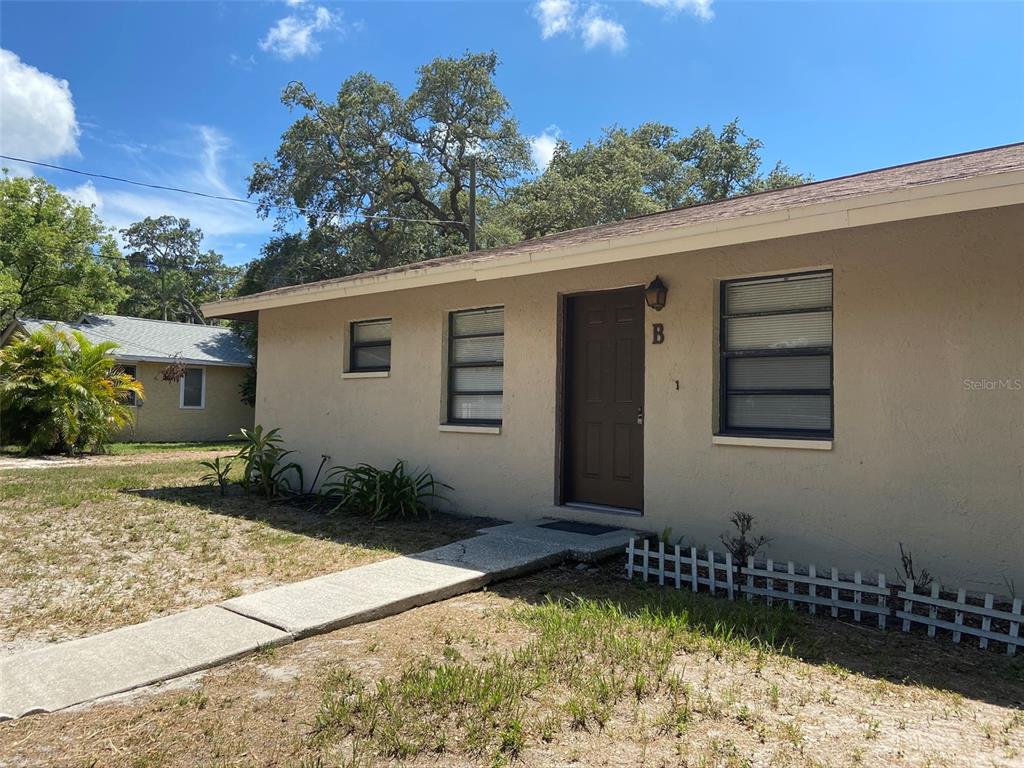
x=699 y=8
x=200 y=160
x=295 y=35
x=37 y=120
x=554 y=16
x=86 y=194
x=598 y=30
x=558 y=17
x=214 y=143
x=542 y=148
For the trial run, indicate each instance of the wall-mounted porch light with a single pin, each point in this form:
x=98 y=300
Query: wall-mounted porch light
x=655 y=294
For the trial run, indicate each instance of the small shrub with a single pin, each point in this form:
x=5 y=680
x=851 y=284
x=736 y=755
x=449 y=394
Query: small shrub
x=920 y=581
x=266 y=471
x=743 y=546
x=382 y=493
x=218 y=474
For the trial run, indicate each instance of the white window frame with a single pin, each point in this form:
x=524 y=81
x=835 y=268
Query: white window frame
x=202 y=391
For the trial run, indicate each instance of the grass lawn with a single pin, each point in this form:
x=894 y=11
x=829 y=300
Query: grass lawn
x=564 y=668
x=118 y=539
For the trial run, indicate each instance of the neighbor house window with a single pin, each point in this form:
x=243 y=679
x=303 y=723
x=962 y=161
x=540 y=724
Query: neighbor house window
x=193 y=388
x=370 y=346
x=476 y=360
x=776 y=356
x=129 y=370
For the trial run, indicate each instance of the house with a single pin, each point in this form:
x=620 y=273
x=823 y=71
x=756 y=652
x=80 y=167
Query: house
x=204 y=404
x=842 y=359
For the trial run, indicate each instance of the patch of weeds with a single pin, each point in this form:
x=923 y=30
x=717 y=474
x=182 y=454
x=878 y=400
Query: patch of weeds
x=589 y=656
x=196 y=700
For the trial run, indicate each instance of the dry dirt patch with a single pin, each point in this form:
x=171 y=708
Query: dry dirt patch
x=838 y=696
x=121 y=539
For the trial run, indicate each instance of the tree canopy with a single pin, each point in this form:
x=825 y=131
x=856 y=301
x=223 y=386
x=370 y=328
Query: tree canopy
x=56 y=259
x=355 y=164
x=628 y=173
x=169 y=274
x=377 y=179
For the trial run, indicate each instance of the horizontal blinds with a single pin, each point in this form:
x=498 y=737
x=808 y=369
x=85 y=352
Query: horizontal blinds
x=477 y=379
x=371 y=357
x=484 y=349
x=808 y=329
x=771 y=382
x=812 y=372
x=475 y=408
x=476 y=360
x=794 y=412
x=779 y=294
x=371 y=331
x=478 y=321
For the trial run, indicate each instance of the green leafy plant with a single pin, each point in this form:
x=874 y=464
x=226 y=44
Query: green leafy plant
x=266 y=472
x=382 y=493
x=218 y=474
x=60 y=393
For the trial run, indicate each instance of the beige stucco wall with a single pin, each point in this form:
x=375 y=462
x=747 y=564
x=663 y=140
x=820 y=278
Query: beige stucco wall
x=160 y=419
x=919 y=456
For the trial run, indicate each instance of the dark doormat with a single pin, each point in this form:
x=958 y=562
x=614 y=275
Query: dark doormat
x=586 y=529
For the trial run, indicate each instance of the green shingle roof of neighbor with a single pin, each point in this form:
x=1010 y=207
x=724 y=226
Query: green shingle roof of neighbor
x=157 y=340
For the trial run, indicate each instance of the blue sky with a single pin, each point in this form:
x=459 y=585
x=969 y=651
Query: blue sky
x=187 y=94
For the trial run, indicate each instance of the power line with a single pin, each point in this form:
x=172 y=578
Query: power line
x=227 y=198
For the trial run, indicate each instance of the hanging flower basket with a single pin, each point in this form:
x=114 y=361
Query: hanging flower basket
x=174 y=371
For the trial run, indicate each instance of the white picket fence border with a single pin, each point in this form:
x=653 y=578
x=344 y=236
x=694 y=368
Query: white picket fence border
x=962 y=608
x=859 y=597
x=685 y=569
x=858 y=590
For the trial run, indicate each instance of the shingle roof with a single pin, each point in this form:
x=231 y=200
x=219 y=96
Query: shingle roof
x=982 y=162
x=157 y=340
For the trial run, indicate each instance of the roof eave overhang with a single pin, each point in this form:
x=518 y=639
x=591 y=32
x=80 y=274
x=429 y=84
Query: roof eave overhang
x=954 y=196
x=130 y=358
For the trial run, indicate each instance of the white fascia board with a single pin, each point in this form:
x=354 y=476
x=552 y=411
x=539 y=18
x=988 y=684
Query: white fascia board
x=182 y=360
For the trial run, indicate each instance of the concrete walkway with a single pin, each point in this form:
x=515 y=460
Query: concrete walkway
x=65 y=674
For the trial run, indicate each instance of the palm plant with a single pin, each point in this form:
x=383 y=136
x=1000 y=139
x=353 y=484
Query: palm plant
x=220 y=468
x=63 y=393
x=266 y=471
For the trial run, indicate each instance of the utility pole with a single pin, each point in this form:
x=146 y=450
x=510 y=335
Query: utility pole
x=472 y=202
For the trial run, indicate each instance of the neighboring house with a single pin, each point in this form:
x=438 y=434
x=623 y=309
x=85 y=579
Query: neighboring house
x=843 y=359
x=205 y=404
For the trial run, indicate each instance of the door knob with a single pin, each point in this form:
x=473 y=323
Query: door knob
x=640 y=415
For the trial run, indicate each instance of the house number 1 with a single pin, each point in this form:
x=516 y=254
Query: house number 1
x=657 y=333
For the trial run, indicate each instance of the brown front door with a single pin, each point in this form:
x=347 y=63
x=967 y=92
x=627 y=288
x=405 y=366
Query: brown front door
x=604 y=399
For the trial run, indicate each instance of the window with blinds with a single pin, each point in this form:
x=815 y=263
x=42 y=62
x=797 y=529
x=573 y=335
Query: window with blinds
x=776 y=356
x=476 y=360
x=370 y=346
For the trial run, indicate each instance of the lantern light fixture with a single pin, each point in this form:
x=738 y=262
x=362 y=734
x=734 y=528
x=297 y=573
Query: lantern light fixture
x=655 y=294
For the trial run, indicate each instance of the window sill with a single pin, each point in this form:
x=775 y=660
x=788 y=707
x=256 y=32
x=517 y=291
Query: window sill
x=191 y=407
x=366 y=374
x=470 y=429
x=773 y=442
